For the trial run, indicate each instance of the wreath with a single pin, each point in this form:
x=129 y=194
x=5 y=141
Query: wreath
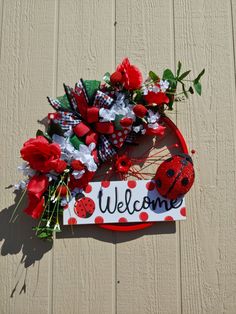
x=93 y=125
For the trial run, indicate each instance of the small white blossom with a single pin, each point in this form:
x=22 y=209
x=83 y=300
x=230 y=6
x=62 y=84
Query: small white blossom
x=57 y=227
x=84 y=155
x=21 y=185
x=164 y=85
x=26 y=170
x=64 y=202
x=137 y=128
x=107 y=115
x=156 y=89
x=78 y=174
x=153 y=117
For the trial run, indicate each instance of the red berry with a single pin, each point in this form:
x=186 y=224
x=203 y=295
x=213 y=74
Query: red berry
x=140 y=111
x=116 y=77
x=62 y=190
x=126 y=122
x=77 y=165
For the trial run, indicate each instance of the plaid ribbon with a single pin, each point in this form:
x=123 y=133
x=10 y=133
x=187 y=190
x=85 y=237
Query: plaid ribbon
x=102 y=100
x=131 y=137
x=105 y=149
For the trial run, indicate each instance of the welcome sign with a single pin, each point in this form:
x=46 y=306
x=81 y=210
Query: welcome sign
x=122 y=202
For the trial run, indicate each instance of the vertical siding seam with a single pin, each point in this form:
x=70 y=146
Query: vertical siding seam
x=54 y=91
x=1 y=31
x=115 y=308
x=178 y=234
x=233 y=41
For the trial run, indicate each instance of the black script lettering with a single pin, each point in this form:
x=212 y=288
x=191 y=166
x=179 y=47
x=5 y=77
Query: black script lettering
x=176 y=203
x=146 y=202
x=108 y=202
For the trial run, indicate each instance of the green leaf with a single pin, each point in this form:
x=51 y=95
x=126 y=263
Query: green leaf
x=191 y=90
x=153 y=76
x=179 y=68
x=199 y=76
x=91 y=87
x=168 y=75
x=43 y=235
x=64 y=101
x=106 y=77
x=41 y=133
x=198 y=87
x=182 y=76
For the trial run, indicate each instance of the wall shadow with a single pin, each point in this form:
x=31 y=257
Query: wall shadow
x=17 y=236
x=94 y=231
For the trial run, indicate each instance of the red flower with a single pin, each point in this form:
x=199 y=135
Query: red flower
x=156 y=98
x=77 y=165
x=160 y=130
x=82 y=182
x=36 y=188
x=131 y=76
x=62 y=190
x=123 y=163
x=42 y=155
x=140 y=111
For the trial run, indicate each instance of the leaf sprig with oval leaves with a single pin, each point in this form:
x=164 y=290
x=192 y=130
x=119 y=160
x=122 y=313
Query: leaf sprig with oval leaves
x=180 y=78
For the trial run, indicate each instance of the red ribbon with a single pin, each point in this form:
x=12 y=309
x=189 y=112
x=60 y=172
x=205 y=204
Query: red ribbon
x=36 y=188
x=90 y=116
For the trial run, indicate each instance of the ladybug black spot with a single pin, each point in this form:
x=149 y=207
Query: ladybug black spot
x=158 y=183
x=170 y=173
x=184 y=181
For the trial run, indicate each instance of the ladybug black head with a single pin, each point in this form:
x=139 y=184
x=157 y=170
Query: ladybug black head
x=186 y=157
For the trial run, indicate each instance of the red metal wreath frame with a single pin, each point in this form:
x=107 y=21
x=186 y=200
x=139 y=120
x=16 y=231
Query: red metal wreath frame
x=143 y=225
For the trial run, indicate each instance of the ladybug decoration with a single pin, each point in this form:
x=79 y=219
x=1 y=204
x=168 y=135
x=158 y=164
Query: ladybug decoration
x=175 y=176
x=84 y=207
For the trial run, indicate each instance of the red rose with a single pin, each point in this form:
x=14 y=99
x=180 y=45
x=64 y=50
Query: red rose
x=123 y=163
x=41 y=155
x=131 y=76
x=156 y=98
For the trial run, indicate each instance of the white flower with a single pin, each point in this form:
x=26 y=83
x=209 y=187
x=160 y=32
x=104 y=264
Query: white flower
x=137 y=128
x=64 y=202
x=78 y=173
x=153 y=126
x=26 y=170
x=21 y=185
x=164 y=85
x=84 y=155
x=156 y=89
x=107 y=115
x=153 y=117
x=145 y=91
x=57 y=227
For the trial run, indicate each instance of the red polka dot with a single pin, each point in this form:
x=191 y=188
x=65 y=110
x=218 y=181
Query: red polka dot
x=143 y=216
x=105 y=184
x=99 y=220
x=72 y=221
x=122 y=219
x=183 y=211
x=88 y=189
x=65 y=206
x=150 y=186
x=169 y=218
x=132 y=184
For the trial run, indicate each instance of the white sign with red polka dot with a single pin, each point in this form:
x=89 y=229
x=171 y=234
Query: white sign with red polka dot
x=122 y=202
